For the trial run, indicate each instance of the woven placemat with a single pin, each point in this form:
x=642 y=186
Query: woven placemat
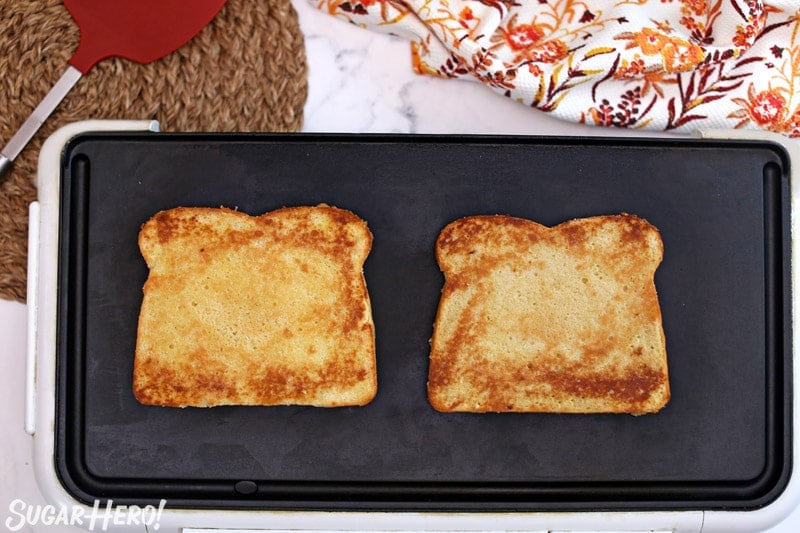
x=246 y=71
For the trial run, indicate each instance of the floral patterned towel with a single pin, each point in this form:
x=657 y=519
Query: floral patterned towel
x=674 y=65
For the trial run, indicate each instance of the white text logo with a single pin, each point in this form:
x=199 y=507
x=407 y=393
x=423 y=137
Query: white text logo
x=95 y=518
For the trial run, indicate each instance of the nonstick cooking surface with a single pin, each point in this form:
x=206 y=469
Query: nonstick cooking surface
x=722 y=441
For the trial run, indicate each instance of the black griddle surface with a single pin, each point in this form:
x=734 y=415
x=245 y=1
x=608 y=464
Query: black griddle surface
x=722 y=441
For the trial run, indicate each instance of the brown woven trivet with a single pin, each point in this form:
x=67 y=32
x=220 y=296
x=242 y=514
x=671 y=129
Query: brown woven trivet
x=244 y=72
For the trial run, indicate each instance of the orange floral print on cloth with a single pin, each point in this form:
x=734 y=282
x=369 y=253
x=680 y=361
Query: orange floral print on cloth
x=674 y=65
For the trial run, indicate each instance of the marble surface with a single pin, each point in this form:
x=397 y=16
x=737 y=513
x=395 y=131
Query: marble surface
x=359 y=81
x=362 y=81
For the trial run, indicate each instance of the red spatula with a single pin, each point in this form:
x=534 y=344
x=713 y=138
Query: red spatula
x=139 y=30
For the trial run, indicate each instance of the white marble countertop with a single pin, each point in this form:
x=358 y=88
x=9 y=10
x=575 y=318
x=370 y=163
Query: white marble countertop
x=359 y=82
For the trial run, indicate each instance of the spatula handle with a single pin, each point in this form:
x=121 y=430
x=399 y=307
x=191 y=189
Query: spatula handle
x=37 y=118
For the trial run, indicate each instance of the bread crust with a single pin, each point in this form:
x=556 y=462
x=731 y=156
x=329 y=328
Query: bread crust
x=537 y=319
x=255 y=310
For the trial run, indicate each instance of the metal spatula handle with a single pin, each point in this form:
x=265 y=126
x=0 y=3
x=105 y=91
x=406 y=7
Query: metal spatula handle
x=37 y=118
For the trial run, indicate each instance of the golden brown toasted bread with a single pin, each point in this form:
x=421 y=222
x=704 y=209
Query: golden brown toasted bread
x=537 y=319
x=267 y=310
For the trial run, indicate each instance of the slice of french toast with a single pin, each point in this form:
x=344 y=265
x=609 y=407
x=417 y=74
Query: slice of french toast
x=255 y=310
x=539 y=319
